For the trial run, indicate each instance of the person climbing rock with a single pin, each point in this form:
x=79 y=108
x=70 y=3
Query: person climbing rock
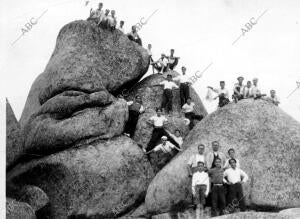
x=218 y=199
x=235 y=177
x=172 y=60
x=213 y=155
x=135 y=109
x=167 y=102
x=184 y=87
x=231 y=153
x=238 y=90
x=195 y=158
x=188 y=110
x=223 y=94
x=133 y=36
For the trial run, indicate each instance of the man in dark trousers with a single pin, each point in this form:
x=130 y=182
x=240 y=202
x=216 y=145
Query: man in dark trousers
x=135 y=109
x=216 y=175
x=189 y=113
x=235 y=177
x=133 y=36
x=173 y=61
x=184 y=87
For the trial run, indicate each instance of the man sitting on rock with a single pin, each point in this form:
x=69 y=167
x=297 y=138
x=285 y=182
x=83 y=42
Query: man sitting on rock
x=121 y=27
x=167 y=101
x=200 y=188
x=112 y=20
x=165 y=146
x=96 y=15
x=103 y=22
x=195 y=159
x=216 y=175
x=172 y=60
x=158 y=121
x=255 y=91
x=247 y=90
x=177 y=137
x=188 y=110
x=238 y=90
x=184 y=87
x=161 y=65
x=273 y=98
x=135 y=109
x=223 y=94
x=212 y=156
x=133 y=36
x=231 y=153
x=235 y=177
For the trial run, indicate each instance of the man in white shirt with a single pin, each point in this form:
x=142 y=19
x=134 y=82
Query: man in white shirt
x=247 y=90
x=255 y=91
x=161 y=65
x=223 y=94
x=184 y=87
x=133 y=36
x=165 y=146
x=158 y=121
x=188 y=110
x=273 y=98
x=112 y=20
x=200 y=188
x=235 y=177
x=96 y=15
x=195 y=158
x=211 y=156
x=172 y=60
x=121 y=27
x=104 y=20
x=238 y=90
x=177 y=137
x=167 y=101
x=231 y=153
x=135 y=109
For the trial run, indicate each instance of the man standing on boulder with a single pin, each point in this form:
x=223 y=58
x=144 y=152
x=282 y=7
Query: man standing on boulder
x=223 y=94
x=235 y=177
x=212 y=156
x=135 y=109
x=184 y=87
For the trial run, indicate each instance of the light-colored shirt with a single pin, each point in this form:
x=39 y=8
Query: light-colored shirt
x=246 y=92
x=235 y=175
x=121 y=29
x=237 y=85
x=149 y=52
x=200 y=178
x=254 y=91
x=168 y=84
x=171 y=59
x=222 y=91
x=188 y=108
x=181 y=78
x=227 y=165
x=195 y=158
x=274 y=100
x=179 y=139
x=166 y=148
x=210 y=158
x=158 y=120
x=142 y=109
x=163 y=61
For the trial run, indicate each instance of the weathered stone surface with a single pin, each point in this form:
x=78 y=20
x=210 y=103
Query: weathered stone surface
x=14 y=138
x=18 y=210
x=152 y=99
x=266 y=141
x=256 y=215
x=87 y=66
x=103 y=178
x=295 y=212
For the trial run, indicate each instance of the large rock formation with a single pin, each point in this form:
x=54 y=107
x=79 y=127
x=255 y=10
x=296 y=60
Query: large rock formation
x=14 y=138
x=18 y=210
x=103 y=178
x=88 y=65
x=256 y=215
x=266 y=141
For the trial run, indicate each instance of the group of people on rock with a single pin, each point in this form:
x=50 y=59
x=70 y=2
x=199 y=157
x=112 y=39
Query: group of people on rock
x=241 y=91
x=107 y=19
x=220 y=176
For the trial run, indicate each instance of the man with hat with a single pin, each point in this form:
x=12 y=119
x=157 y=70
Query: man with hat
x=238 y=90
x=165 y=146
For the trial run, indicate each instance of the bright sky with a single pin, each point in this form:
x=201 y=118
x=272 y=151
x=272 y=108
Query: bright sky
x=200 y=31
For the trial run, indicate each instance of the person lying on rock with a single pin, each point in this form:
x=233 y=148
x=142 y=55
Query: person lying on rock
x=184 y=86
x=158 y=121
x=200 y=188
x=223 y=94
x=165 y=146
x=212 y=156
x=167 y=101
x=135 y=109
x=255 y=91
x=172 y=60
x=273 y=98
x=216 y=175
x=177 y=137
x=161 y=65
x=121 y=27
x=104 y=21
x=188 y=110
x=235 y=177
x=247 y=90
x=96 y=15
x=238 y=90
x=133 y=36
x=231 y=153
x=195 y=159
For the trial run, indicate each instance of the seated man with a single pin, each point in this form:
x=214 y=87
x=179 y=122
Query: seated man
x=112 y=20
x=200 y=188
x=177 y=137
x=135 y=109
x=255 y=91
x=231 y=154
x=96 y=15
x=161 y=65
x=172 y=60
x=223 y=94
x=188 y=110
x=273 y=98
x=133 y=36
x=247 y=89
x=165 y=146
x=121 y=27
x=238 y=90
x=103 y=22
